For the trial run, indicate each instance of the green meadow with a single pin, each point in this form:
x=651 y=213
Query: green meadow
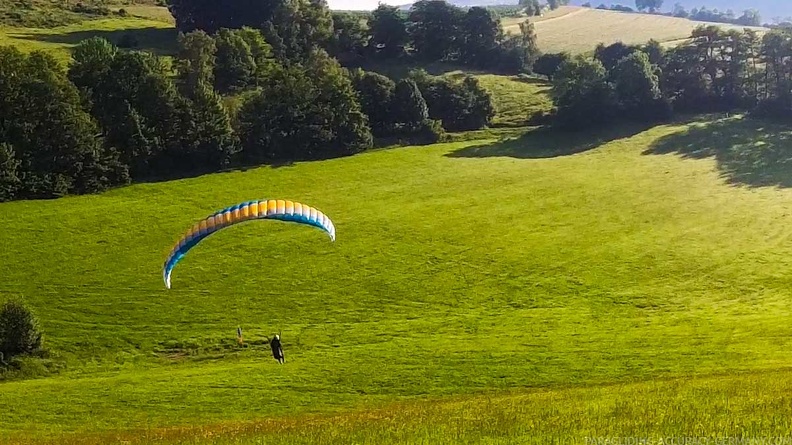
x=153 y=35
x=514 y=285
x=633 y=282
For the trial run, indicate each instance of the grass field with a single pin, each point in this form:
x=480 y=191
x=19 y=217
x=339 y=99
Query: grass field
x=578 y=30
x=719 y=408
x=516 y=100
x=151 y=34
x=631 y=283
x=158 y=13
x=624 y=283
x=52 y=13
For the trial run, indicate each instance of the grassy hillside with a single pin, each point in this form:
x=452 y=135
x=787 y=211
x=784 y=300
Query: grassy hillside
x=516 y=100
x=478 y=268
x=632 y=282
x=150 y=34
x=51 y=13
x=58 y=26
x=721 y=408
x=576 y=29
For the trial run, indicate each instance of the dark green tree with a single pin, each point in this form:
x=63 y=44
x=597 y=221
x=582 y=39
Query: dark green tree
x=611 y=54
x=482 y=34
x=350 y=36
x=734 y=84
x=435 y=28
x=582 y=94
x=208 y=141
x=135 y=103
x=637 y=89
x=235 y=68
x=547 y=64
x=775 y=53
x=716 y=70
x=304 y=111
x=460 y=106
x=91 y=62
x=294 y=26
x=519 y=52
x=376 y=94
x=408 y=106
x=195 y=61
x=683 y=80
x=388 y=31
x=54 y=140
x=301 y=26
x=479 y=104
x=261 y=51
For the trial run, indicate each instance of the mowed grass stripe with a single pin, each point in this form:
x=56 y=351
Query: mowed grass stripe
x=459 y=269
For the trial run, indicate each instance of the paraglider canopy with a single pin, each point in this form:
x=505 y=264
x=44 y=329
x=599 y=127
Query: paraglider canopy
x=278 y=209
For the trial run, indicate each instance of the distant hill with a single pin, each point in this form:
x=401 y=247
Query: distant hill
x=768 y=9
x=578 y=30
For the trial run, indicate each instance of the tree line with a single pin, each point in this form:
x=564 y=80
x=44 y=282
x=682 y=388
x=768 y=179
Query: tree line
x=749 y=17
x=431 y=31
x=534 y=7
x=115 y=116
x=716 y=71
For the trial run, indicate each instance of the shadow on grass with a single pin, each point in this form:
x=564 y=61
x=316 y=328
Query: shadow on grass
x=548 y=142
x=161 y=41
x=749 y=152
x=239 y=166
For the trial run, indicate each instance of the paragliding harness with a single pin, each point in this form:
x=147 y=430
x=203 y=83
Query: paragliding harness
x=277 y=350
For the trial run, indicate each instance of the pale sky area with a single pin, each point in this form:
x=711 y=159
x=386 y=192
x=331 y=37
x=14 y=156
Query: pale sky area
x=363 y=4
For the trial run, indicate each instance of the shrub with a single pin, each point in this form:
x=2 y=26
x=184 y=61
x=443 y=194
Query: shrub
x=547 y=64
x=81 y=8
x=461 y=106
x=431 y=132
x=19 y=332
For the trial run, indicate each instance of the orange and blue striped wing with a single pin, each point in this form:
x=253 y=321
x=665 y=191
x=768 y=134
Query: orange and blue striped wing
x=278 y=209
